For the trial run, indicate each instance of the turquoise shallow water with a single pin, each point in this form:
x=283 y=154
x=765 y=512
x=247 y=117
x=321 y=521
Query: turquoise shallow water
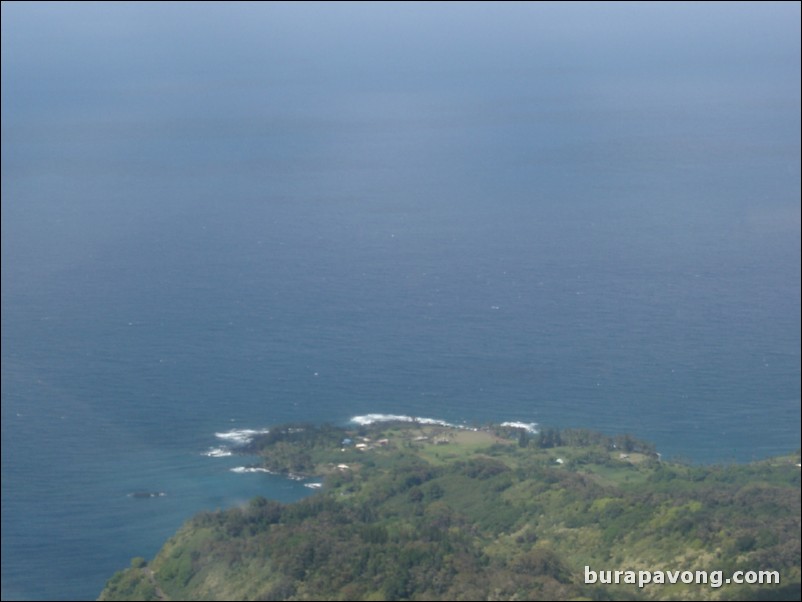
x=604 y=244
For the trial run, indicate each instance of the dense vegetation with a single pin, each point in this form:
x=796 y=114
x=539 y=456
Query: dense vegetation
x=432 y=513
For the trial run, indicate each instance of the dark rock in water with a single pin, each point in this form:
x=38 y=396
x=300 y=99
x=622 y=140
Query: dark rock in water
x=147 y=494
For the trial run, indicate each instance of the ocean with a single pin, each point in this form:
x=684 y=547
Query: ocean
x=220 y=219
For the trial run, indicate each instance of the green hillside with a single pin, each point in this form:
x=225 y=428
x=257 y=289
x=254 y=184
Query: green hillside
x=419 y=512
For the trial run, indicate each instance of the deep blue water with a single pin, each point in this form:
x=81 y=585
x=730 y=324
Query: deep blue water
x=238 y=217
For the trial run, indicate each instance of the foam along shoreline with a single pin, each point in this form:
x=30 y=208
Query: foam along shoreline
x=366 y=419
x=234 y=438
x=252 y=469
x=245 y=469
x=218 y=452
x=530 y=427
x=241 y=437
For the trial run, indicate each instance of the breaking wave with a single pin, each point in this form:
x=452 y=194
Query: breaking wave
x=373 y=418
x=241 y=436
x=244 y=469
x=531 y=427
x=218 y=452
x=366 y=419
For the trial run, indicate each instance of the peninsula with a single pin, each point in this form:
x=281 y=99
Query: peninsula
x=411 y=511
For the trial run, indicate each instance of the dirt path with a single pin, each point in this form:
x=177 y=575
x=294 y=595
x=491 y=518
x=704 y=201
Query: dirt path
x=160 y=595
